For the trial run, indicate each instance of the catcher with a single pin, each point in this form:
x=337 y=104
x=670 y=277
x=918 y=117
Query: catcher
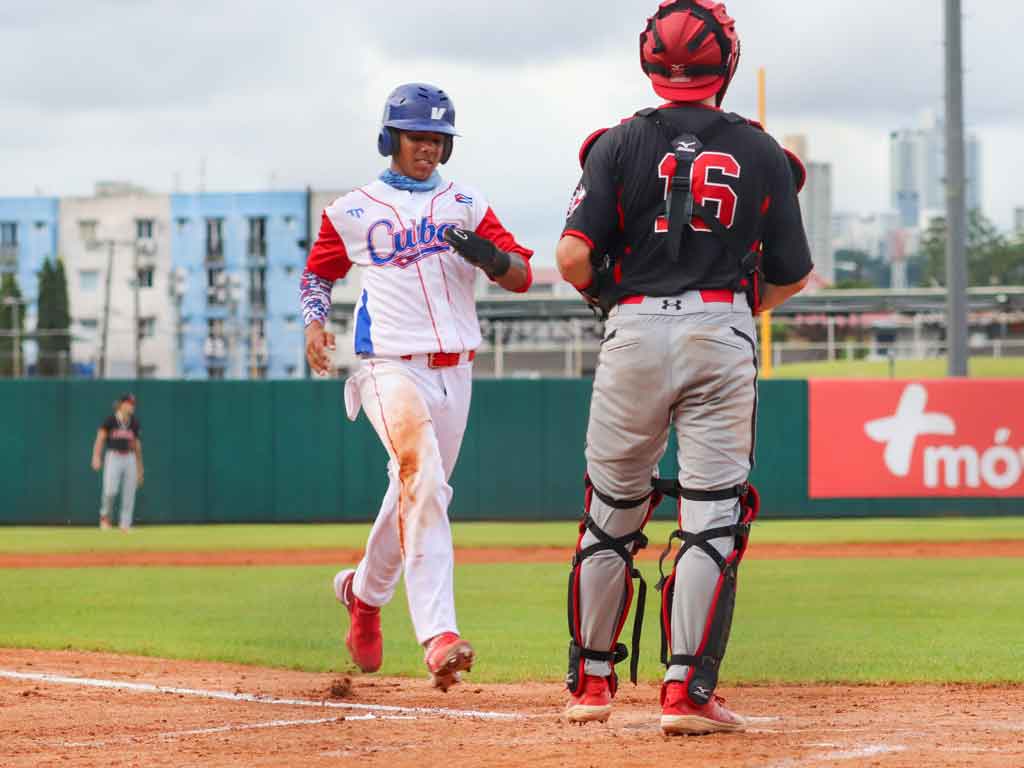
x=684 y=225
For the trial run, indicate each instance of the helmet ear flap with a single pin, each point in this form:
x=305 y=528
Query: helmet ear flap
x=446 y=151
x=387 y=142
x=734 y=64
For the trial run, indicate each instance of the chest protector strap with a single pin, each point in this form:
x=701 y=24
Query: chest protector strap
x=680 y=206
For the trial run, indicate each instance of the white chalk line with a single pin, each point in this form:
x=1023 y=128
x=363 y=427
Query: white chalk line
x=253 y=698
x=171 y=735
x=839 y=755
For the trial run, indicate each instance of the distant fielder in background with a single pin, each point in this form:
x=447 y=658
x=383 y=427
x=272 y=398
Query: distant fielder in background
x=117 y=450
x=420 y=242
x=685 y=224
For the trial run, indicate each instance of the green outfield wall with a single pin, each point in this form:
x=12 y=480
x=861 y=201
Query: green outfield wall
x=284 y=452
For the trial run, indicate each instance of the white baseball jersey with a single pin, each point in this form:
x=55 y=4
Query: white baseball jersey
x=417 y=295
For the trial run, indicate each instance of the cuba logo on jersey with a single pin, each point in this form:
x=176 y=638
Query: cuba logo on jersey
x=403 y=247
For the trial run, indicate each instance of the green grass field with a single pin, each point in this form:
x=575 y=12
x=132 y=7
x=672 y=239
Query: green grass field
x=981 y=368
x=812 y=620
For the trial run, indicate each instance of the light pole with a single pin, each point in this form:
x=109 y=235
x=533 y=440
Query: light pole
x=111 y=244
x=956 y=198
x=15 y=304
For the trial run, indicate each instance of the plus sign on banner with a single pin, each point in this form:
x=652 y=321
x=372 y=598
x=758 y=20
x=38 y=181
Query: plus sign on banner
x=893 y=439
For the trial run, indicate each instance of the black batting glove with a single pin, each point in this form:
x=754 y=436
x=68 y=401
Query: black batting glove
x=478 y=251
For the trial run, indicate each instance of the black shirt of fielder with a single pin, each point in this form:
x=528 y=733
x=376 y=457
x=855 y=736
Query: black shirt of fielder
x=742 y=172
x=120 y=438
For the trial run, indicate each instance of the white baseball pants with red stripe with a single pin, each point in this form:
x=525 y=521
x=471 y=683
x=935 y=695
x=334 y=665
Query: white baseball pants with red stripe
x=664 y=365
x=420 y=415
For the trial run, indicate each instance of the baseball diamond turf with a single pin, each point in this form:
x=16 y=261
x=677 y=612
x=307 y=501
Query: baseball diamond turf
x=845 y=619
x=935 y=368
x=814 y=620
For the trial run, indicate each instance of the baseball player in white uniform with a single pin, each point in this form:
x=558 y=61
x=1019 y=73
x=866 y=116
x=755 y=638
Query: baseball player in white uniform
x=420 y=241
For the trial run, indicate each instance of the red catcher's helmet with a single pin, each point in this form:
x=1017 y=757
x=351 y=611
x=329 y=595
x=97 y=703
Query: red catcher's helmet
x=690 y=50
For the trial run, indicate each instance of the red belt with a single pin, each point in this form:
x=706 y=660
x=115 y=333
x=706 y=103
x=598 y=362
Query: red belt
x=445 y=359
x=721 y=295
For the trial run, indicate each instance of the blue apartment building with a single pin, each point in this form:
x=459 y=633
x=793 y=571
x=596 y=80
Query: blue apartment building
x=28 y=236
x=236 y=260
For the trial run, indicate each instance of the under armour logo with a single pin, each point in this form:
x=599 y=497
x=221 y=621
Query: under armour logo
x=437 y=113
x=672 y=304
x=355 y=213
x=687 y=146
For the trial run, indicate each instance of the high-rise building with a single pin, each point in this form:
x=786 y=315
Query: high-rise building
x=917 y=170
x=1018 y=219
x=117 y=256
x=28 y=236
x=816 y=208
x=867 y=233
x=237 y=261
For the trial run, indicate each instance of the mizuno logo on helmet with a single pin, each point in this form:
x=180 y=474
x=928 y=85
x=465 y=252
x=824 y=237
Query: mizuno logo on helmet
x=687 y=146
x=437 y=113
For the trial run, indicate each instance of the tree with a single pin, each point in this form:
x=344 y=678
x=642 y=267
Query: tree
x=856 y=269
x=992 y=259
x=9 y=290
x=54 y=319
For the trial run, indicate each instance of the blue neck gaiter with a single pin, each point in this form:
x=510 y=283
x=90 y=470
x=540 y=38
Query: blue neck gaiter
x=407 y=184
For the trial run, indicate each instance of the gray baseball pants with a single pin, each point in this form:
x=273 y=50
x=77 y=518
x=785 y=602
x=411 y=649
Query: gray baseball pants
x=667 y=363
x=119 y=475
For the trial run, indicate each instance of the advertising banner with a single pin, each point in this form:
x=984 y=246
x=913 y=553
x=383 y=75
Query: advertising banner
x=885 y=439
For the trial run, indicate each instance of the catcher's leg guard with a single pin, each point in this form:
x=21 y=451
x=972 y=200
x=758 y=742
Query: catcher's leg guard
x=597 y=656
x=703 y=663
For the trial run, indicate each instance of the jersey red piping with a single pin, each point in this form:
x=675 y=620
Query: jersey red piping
x=580 y=236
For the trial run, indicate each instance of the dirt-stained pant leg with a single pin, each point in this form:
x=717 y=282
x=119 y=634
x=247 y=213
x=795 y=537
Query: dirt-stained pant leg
x=626 y=437
x=420 y=416
x=714 y=423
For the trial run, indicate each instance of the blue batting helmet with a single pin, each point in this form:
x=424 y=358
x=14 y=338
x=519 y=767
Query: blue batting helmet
x=417 y=107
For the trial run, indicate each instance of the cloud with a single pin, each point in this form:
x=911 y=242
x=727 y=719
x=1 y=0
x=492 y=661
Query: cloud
x=293 y=91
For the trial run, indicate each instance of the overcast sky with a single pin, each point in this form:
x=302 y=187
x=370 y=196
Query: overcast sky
x=285 y=94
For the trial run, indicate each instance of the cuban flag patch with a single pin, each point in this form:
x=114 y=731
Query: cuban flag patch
x=464 y=199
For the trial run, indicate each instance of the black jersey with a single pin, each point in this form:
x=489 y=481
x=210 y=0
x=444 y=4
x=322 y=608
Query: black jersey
x=121 y=437
x=741 y=172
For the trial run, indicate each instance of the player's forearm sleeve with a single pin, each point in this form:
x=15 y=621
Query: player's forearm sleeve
x=315 y=295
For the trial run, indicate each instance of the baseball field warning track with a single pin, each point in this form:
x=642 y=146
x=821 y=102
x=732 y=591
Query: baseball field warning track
x=764 y=551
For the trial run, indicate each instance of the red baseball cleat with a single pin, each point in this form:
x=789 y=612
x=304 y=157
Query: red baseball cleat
x=446 y=656
x=364 y=640
x=679 y=715
x=593 y=704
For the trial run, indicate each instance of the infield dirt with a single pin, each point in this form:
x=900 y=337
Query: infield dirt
x=69 y=724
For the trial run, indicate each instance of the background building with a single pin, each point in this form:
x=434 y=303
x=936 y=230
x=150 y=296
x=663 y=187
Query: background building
x=116 y=246
x=868 y=233
x=917 y=171
x=816 y=208
x=1018 y=219
x=237 y=258
x=28 y=236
